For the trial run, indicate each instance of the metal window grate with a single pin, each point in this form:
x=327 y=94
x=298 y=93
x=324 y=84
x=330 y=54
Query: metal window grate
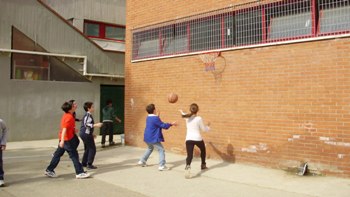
x=334 y=16
x=247 y=24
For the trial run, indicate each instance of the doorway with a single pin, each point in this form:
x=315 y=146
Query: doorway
x=116 y=94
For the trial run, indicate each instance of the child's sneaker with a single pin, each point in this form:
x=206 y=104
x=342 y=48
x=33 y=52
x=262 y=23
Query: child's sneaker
x=2 y=183
x=82 y=175
x=204 y=167
x=163 y=168
x=188 y=172
x=91 y=167
x=50 y=174
x=141 y=163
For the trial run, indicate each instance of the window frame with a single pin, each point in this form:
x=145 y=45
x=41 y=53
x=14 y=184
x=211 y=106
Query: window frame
x=102 y=30
x=257 y=28
x=320 y=15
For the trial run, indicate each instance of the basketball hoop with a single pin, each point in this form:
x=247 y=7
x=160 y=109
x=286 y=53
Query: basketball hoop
x=209 y=60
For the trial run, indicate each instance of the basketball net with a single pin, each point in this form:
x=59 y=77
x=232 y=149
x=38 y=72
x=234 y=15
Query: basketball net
x=209 y=60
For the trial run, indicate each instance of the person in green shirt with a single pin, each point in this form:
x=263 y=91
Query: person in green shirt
x=108 y=116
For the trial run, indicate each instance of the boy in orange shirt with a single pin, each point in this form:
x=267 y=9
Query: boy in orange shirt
x=67 y=142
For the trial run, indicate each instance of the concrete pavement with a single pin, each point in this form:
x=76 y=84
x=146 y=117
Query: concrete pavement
x=118 y=175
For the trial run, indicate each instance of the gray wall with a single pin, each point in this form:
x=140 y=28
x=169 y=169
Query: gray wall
x=54 y=34
x=32 y=109
x=110 y=11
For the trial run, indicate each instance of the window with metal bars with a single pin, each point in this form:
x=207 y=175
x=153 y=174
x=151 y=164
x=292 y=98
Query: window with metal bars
x=288 y=21
x=243 y=25
x=334 y=16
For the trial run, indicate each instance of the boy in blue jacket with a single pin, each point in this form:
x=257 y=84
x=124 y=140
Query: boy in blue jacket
x=153 y=137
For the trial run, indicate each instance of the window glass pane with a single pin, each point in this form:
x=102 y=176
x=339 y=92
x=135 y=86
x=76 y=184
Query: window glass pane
x=117 y=33
x=175 y=39
x=27 y=66
x=147 y=43
x=30 y=67
x=334 y=16
x=248 y=27
x=230 y=30
x=92 y=29
x=181 y=38
x=289 y=21
x=168 y=43
x=205 y=34
x=40 y=67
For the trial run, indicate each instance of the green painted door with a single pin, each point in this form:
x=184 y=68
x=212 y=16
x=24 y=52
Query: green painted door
x=116 y=94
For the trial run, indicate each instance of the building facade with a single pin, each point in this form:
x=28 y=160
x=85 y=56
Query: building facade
x=45 y=60
x=272 y=77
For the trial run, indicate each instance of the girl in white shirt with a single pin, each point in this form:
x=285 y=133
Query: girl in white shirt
x=194 y=125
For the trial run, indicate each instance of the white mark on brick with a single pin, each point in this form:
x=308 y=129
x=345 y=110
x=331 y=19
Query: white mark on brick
x=262 y=146
x=294 y=137
x=324 y=138
x=308 y=126
x=337 y=143
x=255 y=148
x=249 y=150
x=341 y=156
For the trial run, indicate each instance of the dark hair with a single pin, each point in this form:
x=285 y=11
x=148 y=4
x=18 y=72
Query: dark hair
x=150 y=108
x=66 y=106
x=71 y=101
x=109 y=101
x=87 y=105
x=193 y=109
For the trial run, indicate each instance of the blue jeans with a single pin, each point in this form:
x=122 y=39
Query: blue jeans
x=149 y=151
x=71 y=147
x=89 y=149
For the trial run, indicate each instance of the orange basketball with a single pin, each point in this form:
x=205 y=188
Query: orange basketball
x=172 y=98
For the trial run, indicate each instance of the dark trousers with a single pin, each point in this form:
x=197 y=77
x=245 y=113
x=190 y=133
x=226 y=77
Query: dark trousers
x=189 y=148
x=71 y=147
x=107 y=128
x=1 y=166
x=89 y=149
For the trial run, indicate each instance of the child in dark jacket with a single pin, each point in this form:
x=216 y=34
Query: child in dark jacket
x=87 y=135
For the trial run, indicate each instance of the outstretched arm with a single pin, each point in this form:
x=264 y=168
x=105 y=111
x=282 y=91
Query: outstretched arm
x=182 y=112
x=164 y=125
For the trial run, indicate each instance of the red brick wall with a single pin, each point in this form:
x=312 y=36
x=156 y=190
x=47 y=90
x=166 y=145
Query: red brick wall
x=275 y=106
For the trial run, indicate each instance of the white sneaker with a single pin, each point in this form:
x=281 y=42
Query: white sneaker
x=188 y=172
x=163 y=168
x=141 y=163
x=50 y=174
x=83 y=175
x=2 y=183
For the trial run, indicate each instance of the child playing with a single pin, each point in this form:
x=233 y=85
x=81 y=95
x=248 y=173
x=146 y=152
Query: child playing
x=67 y=143
x=153 y=136
x=87 y=135
x=194 y=124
